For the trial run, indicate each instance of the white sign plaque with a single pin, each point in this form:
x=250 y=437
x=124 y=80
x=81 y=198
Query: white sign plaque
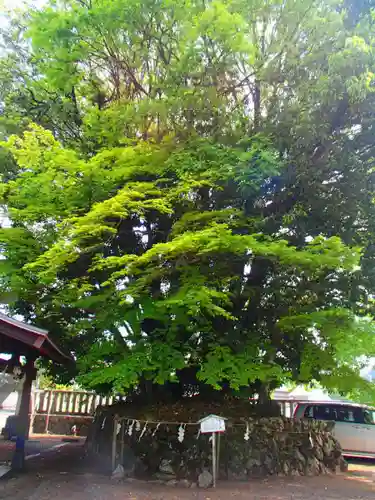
x=212 y=423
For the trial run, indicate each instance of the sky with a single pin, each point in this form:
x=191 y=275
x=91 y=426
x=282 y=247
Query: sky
x=9 y=5
x=6 y=6
x=15 y=4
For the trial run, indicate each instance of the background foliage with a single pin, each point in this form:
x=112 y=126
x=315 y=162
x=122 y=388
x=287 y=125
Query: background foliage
x=190 y=190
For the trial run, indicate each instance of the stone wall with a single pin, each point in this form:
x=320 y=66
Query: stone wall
x=275 y=446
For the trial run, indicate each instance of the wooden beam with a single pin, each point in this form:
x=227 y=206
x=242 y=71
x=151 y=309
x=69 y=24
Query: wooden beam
x=17 y=336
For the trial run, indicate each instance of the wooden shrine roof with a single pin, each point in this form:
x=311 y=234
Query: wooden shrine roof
x=19 y=337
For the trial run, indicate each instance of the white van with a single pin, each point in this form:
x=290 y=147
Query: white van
x=354 y=424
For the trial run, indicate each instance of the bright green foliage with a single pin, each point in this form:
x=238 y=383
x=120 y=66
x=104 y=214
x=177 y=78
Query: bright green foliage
x=190 y=188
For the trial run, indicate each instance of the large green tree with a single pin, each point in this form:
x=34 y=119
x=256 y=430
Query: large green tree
x=191 y=192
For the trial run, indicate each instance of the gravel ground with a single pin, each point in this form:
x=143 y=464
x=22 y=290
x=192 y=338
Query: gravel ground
x=62 y=475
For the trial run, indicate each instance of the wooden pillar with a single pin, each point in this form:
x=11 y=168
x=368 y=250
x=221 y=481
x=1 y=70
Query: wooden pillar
x=23 y=417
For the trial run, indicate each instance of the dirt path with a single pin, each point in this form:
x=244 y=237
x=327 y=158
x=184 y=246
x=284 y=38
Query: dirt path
x=62 y=475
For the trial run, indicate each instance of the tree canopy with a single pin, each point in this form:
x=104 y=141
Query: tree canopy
x=190 y=191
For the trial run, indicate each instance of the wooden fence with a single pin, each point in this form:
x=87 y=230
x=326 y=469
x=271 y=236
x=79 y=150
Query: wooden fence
x=53 y=405
x=50 y=407
x=61 y=402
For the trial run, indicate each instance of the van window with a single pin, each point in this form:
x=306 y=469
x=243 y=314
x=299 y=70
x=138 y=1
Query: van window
x=369 y=416
x=319 y=412
x=339 y=413
x=309 y=412
x=324 y=412
x=350 y=414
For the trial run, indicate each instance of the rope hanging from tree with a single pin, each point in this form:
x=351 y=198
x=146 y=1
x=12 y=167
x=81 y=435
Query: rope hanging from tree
x=137 y=425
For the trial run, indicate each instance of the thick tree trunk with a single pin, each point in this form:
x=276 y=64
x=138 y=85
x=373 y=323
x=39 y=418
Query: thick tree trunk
x=264 y=396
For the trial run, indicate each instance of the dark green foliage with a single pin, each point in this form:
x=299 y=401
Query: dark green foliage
x=191 y=191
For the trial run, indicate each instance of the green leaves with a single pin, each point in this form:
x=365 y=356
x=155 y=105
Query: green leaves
x=190 y=190
x=195 y=290
x=330 y=336
x=239 y=369
x=156 y=362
